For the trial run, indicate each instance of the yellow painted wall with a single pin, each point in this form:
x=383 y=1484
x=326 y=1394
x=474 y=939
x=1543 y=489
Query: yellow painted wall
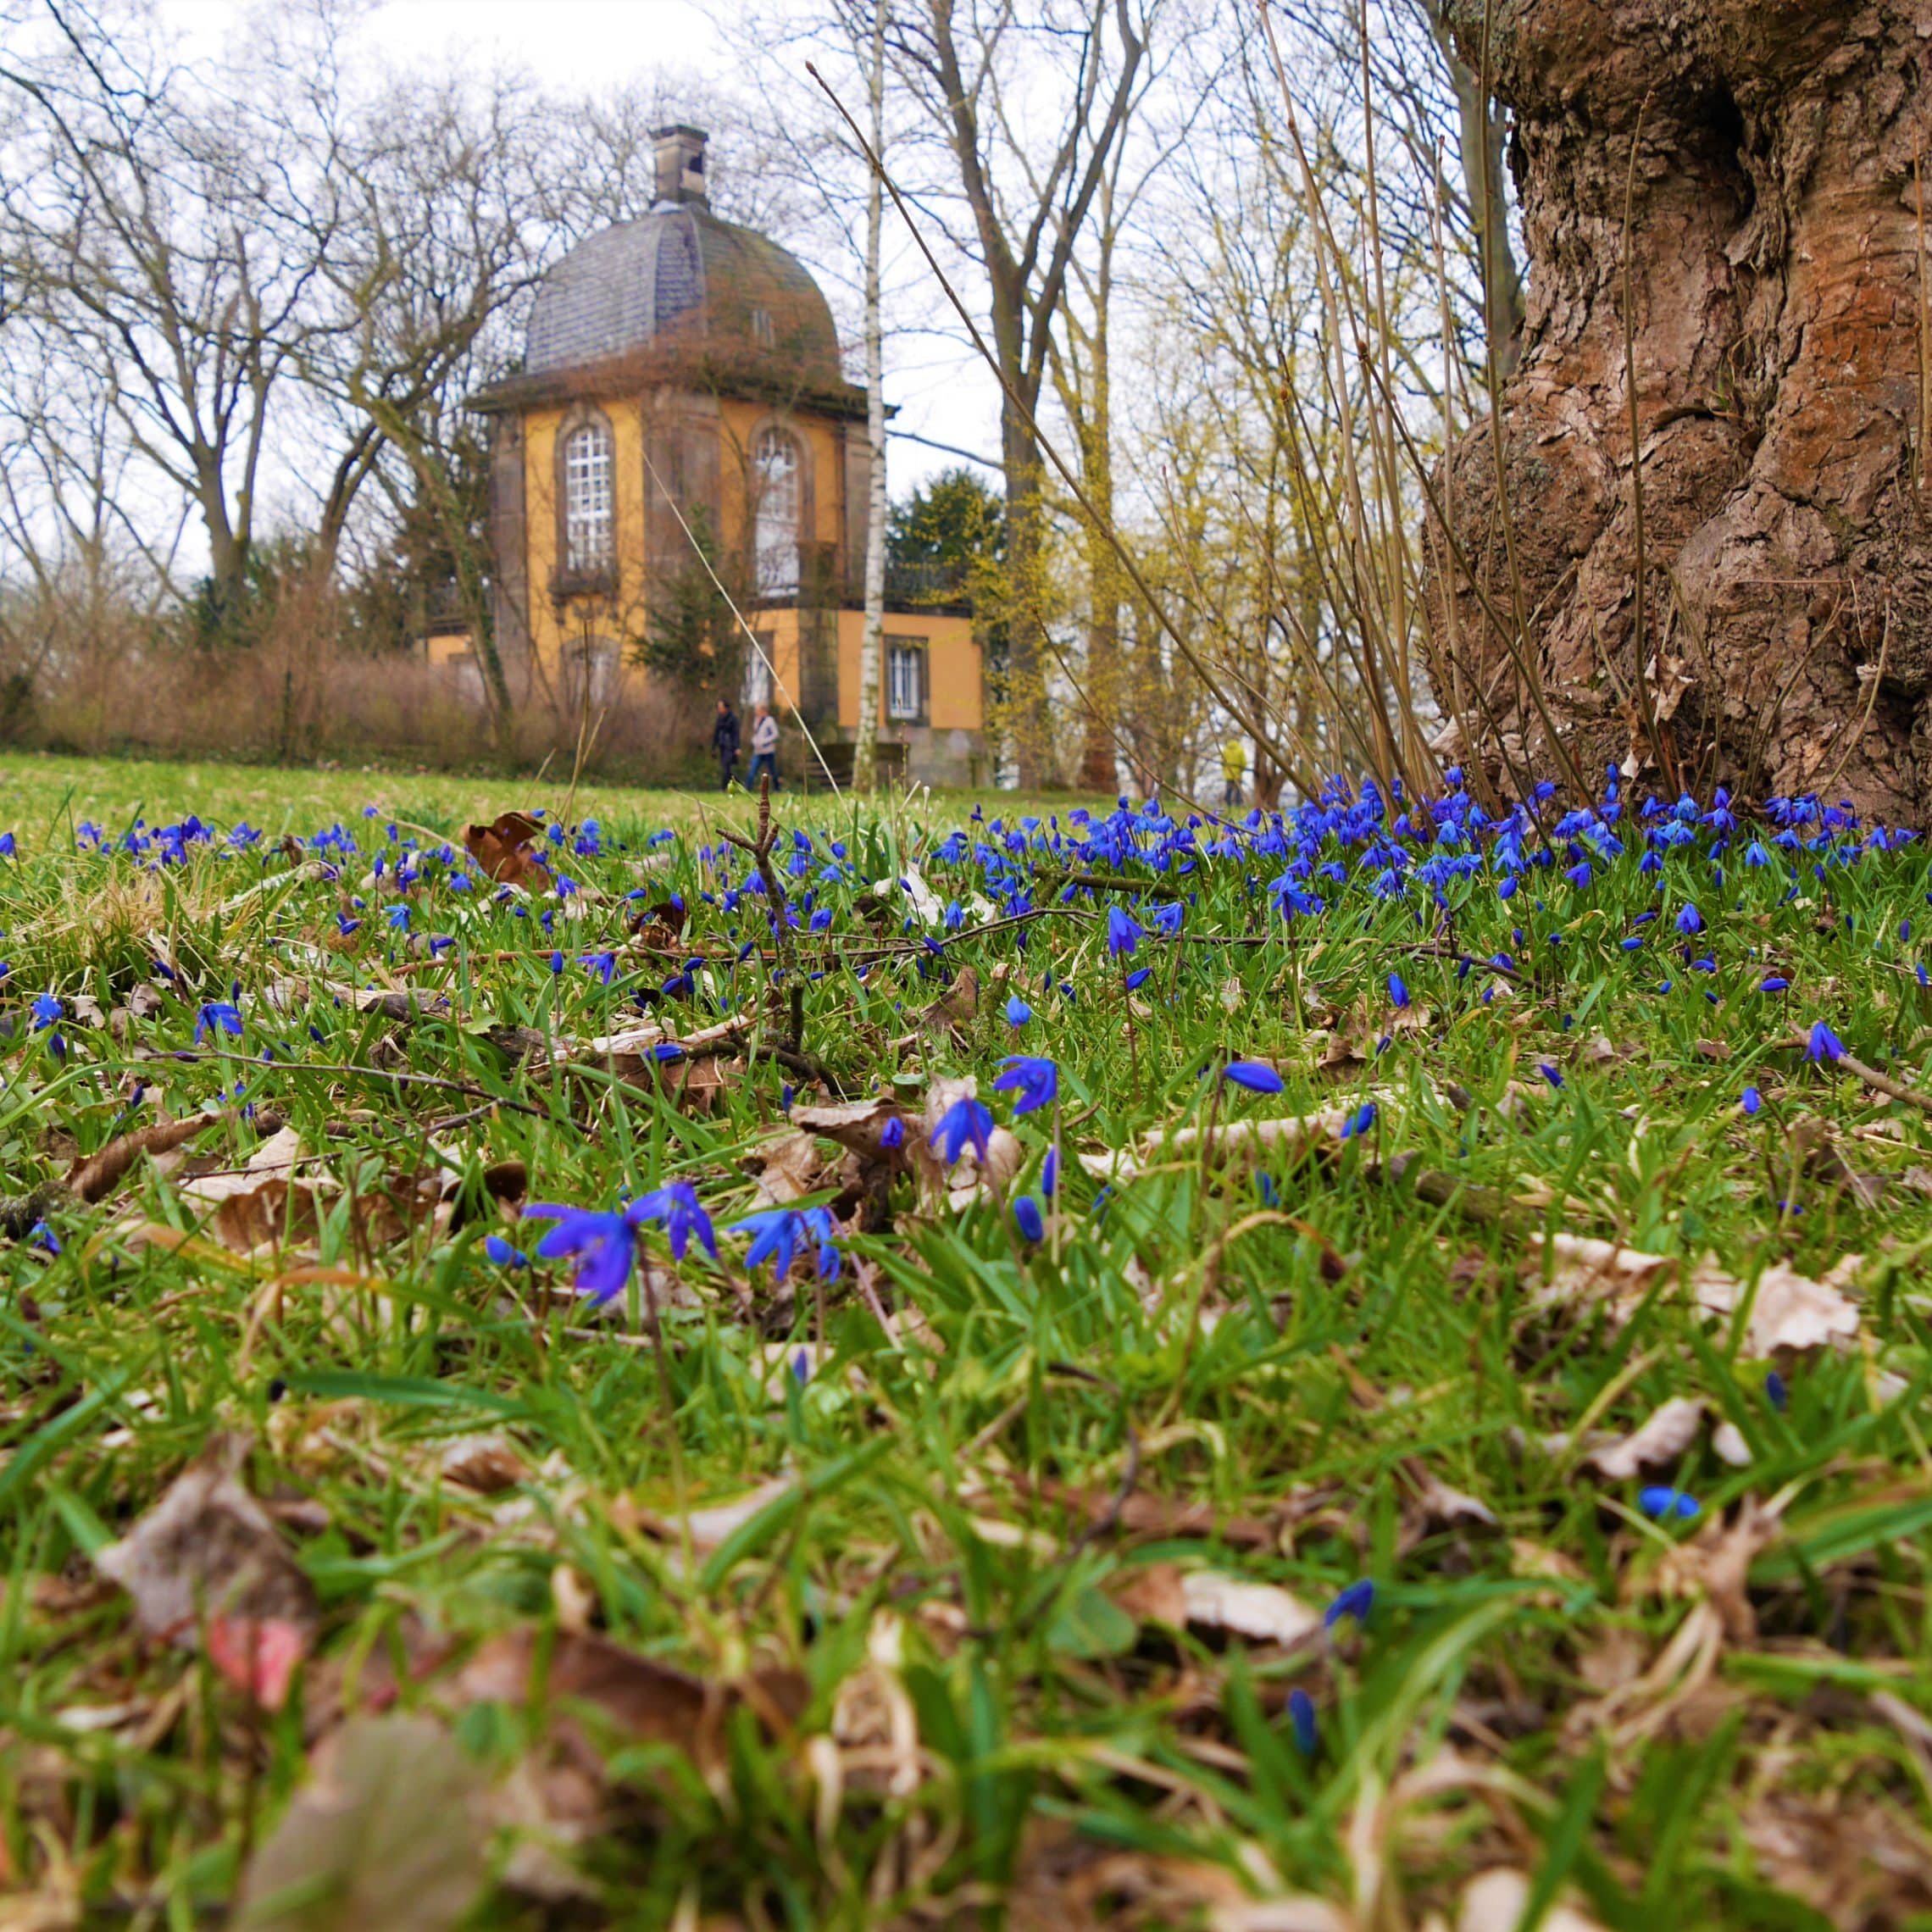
x=540 y=514
x=739 y=421
x=957 y=700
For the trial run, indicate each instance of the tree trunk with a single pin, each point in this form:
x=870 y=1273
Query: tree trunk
x=1759 y=612
x=872 y=647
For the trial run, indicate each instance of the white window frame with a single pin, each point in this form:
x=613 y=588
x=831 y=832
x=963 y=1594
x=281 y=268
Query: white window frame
x=906 y=680
x=778 y=484
x=589 y=498
x=757 y=687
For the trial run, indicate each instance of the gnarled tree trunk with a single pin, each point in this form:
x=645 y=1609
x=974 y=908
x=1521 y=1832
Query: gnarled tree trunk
x=1753 y=163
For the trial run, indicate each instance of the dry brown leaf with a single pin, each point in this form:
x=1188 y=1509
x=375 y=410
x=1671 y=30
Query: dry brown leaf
x=256 y=1205
x=503 y=851
x=790 y=1167
x=484 y=1464
x=383 y=1836
x=206 y=1562
x=1585 y=1270
x=1787 y=1310
x=1495 y=1900
x=1211 y=1600
x=95 y=1178
x=1716 y=1564
x=1660 y=1440
x=859 y=1126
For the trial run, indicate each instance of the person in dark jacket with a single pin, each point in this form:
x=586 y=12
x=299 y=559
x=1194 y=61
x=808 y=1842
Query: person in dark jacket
x=724 y=742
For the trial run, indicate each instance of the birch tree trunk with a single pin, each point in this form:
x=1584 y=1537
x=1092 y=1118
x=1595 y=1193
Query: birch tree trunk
x=1727 y=271
x=871 y=649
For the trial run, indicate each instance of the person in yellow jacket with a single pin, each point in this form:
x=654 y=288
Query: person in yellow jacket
x=1234 y=769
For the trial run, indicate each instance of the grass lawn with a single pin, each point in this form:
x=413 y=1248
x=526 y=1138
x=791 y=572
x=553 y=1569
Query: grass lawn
x=1405 y=1407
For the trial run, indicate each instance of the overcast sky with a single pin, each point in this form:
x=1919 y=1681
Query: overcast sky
x=941 y=393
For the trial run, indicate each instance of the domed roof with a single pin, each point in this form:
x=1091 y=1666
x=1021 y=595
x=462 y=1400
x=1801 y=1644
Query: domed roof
x=679 y=278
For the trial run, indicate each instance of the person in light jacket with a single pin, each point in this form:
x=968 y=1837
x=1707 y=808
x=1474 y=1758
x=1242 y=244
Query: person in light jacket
x=764 y=748
x=724 y=742
x=1234 y=769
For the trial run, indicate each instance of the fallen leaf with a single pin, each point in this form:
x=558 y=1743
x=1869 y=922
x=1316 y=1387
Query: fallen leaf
x=1494 y=1903
x=1210 y=1600
x=255 y=1206
x=1787 y=1310
x=1660 y=1440
x=502 y=849
x=790 y=1167
x=94 y=1178
x=486 y=1464
x=206 y=1559
x=384 y=1837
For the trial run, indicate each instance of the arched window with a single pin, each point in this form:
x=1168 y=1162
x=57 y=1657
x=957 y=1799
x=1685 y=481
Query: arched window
x=776 y=483
x=587 y=544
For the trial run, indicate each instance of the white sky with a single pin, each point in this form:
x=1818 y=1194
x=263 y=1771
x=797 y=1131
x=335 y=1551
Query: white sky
x=942 y=391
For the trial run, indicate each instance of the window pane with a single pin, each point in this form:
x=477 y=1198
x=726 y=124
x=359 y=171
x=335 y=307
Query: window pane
x=776 y=483
x=588 y=499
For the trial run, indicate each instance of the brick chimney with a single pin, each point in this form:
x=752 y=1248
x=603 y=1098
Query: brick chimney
x=680 y=164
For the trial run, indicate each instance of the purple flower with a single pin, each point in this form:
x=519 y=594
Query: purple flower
x=1028 y=1218
x=1138 y=977
x=1773 y=983
x=46 y=1012
x=1751 y=1099
x=217 y=1017
x=1034 y=1083
x=1825 y=1045
x=1549 y=1073
x=1050 y=1172
x=964 y=1124
x=603 y=964
x=1359 y=1122
x=1017 y=1012
x=1398 y=993
x=503 y=1253
x=1689 y=920
x=1356 y=1602
x=1256 y=1075
x=1123 y=936
x=893 y=1133
x=675 y=1206
x=1659 y=1502
x=43 y=1237
x=600 y=1243
x=1301 y=1717
x=1775 y=1393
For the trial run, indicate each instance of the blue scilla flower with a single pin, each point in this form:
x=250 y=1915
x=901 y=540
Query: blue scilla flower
x=1550 y=1073
x=1824 y=1044
x=965 y=1124
x=217 y=1017
x=46 y=1012
x=1028 y=1218
x=776 y=1237
x=504 y=1254
x=1123 y=935
x=1138 y=977
x=1773 y=983
x=1751 y=1099
x=1689 y=920
x=1301 y=1720
x=1776 y=1391
x=1663 y=1502
x=675 y=1207
x=893 y=1133
x=1034 y=1083
x=1167 y=919
x=1398 y=989
x=599 y=1243
x=1256 y=1075
x=1356 y=1602
x=1359 y=1122
x=1017 y=1012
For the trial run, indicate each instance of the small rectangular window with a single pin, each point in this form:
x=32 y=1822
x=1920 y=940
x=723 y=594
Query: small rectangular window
x=906 y=680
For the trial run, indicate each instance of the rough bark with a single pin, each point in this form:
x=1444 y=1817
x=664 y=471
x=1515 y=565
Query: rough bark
x=1757 y=158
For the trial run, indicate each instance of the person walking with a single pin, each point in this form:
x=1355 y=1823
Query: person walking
x=764 y=748
x=1234 y=769
x=724 y=742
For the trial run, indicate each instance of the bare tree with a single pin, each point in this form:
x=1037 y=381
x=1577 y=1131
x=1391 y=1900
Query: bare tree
x=872 y=646
x=131 y=228
x=987 y=75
